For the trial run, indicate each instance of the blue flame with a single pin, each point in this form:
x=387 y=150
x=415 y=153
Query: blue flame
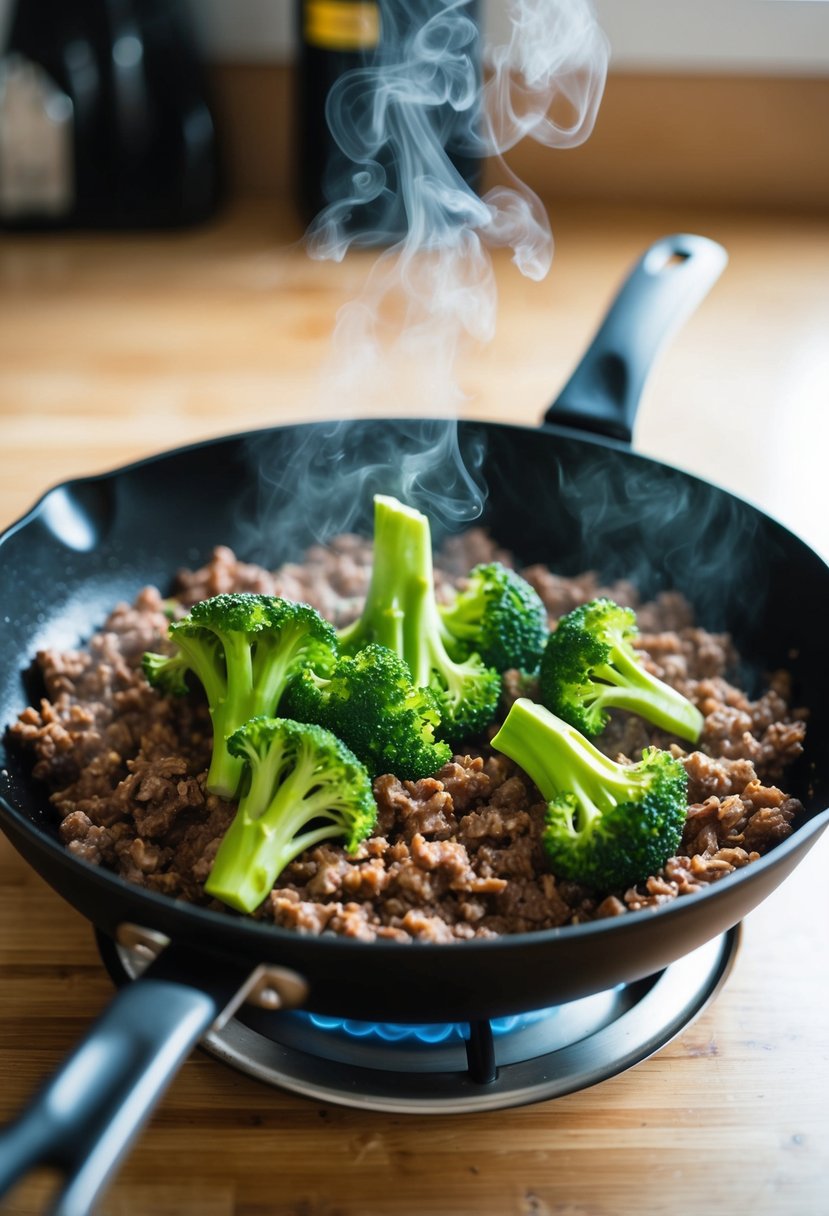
x=426 y=1032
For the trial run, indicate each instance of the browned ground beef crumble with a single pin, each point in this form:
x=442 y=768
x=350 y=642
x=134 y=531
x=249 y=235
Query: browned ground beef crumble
x=457 y=855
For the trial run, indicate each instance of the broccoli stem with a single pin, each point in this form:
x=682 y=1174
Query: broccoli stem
x=401 y=579
x=630 y=686
x=558 y=758
x=227 y=697
x=253 y=688
x=401 y=613
x=400 y=609
x=266 y=834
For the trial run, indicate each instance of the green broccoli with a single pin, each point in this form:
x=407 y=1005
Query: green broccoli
x=302 y=785
x=500 y=616
x=401 y=612
x=607 y=825
x=589 y=666
x=370 y=703
x=243 y=649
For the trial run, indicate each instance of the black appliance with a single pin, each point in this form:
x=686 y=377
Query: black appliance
x=105 y=120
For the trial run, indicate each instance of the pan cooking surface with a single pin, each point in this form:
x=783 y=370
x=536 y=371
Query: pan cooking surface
x=571 y=502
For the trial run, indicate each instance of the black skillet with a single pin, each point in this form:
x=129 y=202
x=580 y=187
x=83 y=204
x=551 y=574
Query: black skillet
x=571 y=493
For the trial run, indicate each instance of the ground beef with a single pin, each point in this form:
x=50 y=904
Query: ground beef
x=334 y=578
x=454 y=856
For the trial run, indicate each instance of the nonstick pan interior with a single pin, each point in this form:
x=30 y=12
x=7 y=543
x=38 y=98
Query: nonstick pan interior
x=573 y=502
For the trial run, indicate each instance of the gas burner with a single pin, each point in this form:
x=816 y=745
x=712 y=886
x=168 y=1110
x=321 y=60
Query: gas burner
x=452 y=1068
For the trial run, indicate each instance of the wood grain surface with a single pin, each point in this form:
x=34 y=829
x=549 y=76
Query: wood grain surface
x=115 y=348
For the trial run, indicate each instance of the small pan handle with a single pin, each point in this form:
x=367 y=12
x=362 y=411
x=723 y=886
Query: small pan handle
x=86 y=1116
x=661 y=292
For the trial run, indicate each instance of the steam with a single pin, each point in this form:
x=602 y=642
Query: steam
x=317 y=481
x=432 y=292
x=556 y=53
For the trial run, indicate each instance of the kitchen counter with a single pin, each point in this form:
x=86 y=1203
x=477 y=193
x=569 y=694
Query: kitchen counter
x=114 y=348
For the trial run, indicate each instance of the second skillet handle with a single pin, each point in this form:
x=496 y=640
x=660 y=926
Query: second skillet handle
x=661 y=292
x=86 y=1116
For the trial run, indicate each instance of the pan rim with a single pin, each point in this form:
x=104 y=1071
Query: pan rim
x=562 y=430
x=257 y=931
x=232 y=437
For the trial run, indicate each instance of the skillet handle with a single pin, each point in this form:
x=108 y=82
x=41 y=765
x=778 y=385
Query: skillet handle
x=85 y=1118
x=661 y=292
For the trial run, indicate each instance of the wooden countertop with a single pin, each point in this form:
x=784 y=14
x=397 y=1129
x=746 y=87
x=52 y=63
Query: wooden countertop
x=116 y=347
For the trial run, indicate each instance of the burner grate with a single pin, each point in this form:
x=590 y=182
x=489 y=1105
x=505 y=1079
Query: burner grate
x=449 y=1068
x=477 y=1037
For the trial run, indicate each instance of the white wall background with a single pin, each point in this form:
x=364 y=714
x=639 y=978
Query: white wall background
x=777 y=36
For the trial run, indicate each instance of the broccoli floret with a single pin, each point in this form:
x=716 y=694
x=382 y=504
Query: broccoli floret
x=243 y=649
x=500 y=616
x=401 y=612
x=589 y=666
x=370 y=703
x=302 y=785
x=607 y=825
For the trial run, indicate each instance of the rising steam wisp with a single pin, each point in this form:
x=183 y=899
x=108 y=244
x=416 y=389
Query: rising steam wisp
x=433 y=289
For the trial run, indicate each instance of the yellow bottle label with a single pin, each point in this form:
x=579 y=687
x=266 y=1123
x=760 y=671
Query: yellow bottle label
x=342 y=25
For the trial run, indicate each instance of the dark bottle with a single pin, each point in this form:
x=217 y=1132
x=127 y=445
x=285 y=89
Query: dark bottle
x=336 y=37
x=104 y=117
